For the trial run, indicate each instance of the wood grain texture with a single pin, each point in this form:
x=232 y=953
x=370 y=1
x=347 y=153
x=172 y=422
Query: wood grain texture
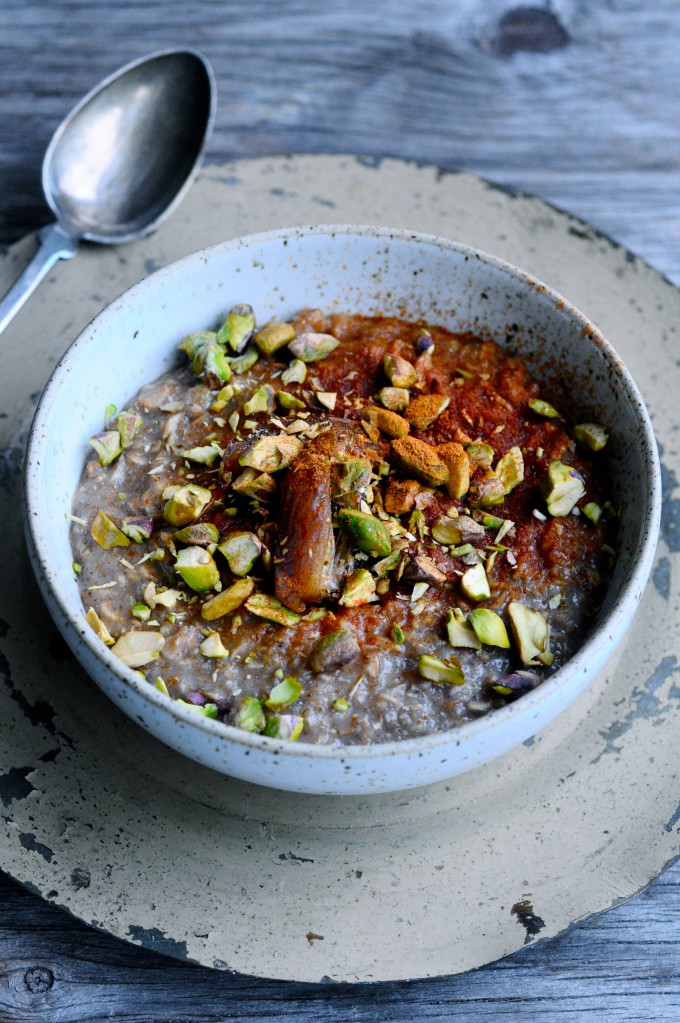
x=578 y=104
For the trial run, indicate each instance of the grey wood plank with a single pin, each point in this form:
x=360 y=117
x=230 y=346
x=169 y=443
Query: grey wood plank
x=579 y=104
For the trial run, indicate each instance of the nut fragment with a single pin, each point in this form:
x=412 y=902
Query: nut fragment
x=107 y=445
x=531 y=633
x=198 y=533
x=400 y=496
x=460 y=530
x=489 y=627
x=129 y=424
x=366 y=532
x=241 y=551
x=237 y=329
x=456 y=460
x=198 y=569
x=591 y=435
x=475 y=584
x=459 y=632
x=261 y=400
x=394 y=398
x=333 y=650
x=543 y=408
x=98 y=627
x=251 y=483
x=387 y=422
x=295 y=374
x=269 y=454
x=562 y=487
x=398 y=371
x=490 y=491
x=274 y=335
x=272 y=609
x=423 y=569
x=186 y=504
x=440 y=672
x=250 y=715
x=359 y=589
x=106 y=532
x=510 y=469
x=311 y=347
x=425 y=409
x=228 y=600
x=135 y=649
x=421 y=460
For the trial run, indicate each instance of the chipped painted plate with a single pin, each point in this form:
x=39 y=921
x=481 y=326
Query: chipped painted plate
x=102 y=819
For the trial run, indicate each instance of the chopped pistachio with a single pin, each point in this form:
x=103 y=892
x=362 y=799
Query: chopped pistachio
x=457 y=461
x=395 y=399
x=77 y=567
x=289 y=401
x=109 y=412
x=272 y=609
x=387 y=422
x=137 y=648
x=365 y=531
x=420 y=459
x=186 y=504
x=242 y=363
x=241 y=551
x=198 y=533
x=129 y=424
x=490 y=491
x=269 y=454
x=531 y=633
x=592 y=511
x=259 y=485
x=440 y=672
x=475 y=584
x=341 y=705
x=250 y=715
x=238 y=327
x=591 y=435
x=137 y=529
x=397 y=633
x=311 y=347
x=510 y=469
x=228 y=600
x=562 y=488
x=192 y=343
x=282 y=695
x=207 y=454
x=198 y=569
x=166 y=598
x=98 y=627
x=224 y=396
x=462 y=551
x=211 y=364
x=295 y=374
x=327 y=398
x=489 y=627
x=284 y=726
x=504 y=529
x=349 y=476
x=333 y=650
x=141 y=611
x=543 y=408
x=262 y=400
x=459 y=632
x=208 y=710
x=107 y=445
x=233 y=421
x=416 y=523
x=161 y=686
x=359 y=589
x=481 y=454
x=399 y=371
x=425 y=409
x=212 y=646
x=106 y=533
x=491 y=521
x=274 y=335
x=419 y=590
x=385 y=565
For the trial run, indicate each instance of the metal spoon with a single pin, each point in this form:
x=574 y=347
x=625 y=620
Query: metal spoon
x=122 y=160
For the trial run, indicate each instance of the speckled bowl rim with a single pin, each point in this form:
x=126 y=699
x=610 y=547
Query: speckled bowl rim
x=622 y=609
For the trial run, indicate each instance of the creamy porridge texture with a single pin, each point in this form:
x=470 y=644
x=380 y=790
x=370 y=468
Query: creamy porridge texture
x=344 y=529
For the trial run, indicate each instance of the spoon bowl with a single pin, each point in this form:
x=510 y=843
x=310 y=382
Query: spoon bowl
x=122 y=160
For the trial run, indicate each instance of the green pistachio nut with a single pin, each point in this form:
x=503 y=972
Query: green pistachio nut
x=228 y=600
x=261 y=400
x=250 y=716
x=592 y=511
x=135 y=649
x=591 y=435
x=349 y=476
x=459 y=632
x=198 y=569
x=311 y=347
x=395 y=399
x=397 y=634
x=510 y=469
x=211 y=364
x=141 y=611
x=562 y=487
x=289 y=401
x=341 y=705
x=129 y=424
x=98 y=627
x=490 y=491
x=192 y=343
x=385 y=565
x=333 y=651
x=223 y=397
x=531 y=633
x=474 y=583
x=489 y=628
x=199 y=534
x=462 y=529
x=207 y=454
x=137 y=529
x=107 y=445
x=207 y=710
x=296 y=373
x=186 y=504
x=242 y=363
x=490 y=521
x=241 y=551
x=399 y=372
x=237 y=329
x=106 y=532
x=366 y=532
x=284 y=726
x=272 y=609
x=543 y=408
x=212 y=646
x=440 y=672
x=282 y=695
x=481 y=455
x=269 y=454
x=274 y=335
x=359 y=589
x=259 y=485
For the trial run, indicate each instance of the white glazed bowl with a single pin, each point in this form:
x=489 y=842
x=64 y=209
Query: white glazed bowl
x=355 y=269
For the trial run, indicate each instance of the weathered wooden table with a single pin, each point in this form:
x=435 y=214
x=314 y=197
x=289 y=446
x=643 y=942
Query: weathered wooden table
x=577 y=102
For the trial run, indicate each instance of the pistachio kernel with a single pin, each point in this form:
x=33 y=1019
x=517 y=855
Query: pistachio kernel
x=186 y=504
x=282 y=695
x=106 y=533
x=295 y=374
x=135 y=649
x=395 y=399
x=284 y=726
x=107 y=445
x=212 y=646
x=474 y=583
x=531 y=633
x=399 y=371
x=241 y=551
x=274 y=335
x=198 y=569
x=543 y=408
x=359 y=589
x=434 y=669
x=98 y=627
x=333 y=650
x=311 y=347
x=366 y=532
x=228 y=600
x=562 y=487
x=250 y=715
x=591 y=435
x=459 y=632
x=261 y=400
x=272 y=609
x=489 y=628
x=237 y=329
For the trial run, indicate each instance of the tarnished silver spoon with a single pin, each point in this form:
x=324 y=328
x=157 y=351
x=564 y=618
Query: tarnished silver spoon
x=122 y=159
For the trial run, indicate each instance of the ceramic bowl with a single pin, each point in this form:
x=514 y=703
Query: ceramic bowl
x=368 y=270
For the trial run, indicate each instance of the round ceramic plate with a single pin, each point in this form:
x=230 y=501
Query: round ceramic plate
x=105 y=821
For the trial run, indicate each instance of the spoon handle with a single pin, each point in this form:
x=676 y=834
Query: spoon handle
x=55 y=244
